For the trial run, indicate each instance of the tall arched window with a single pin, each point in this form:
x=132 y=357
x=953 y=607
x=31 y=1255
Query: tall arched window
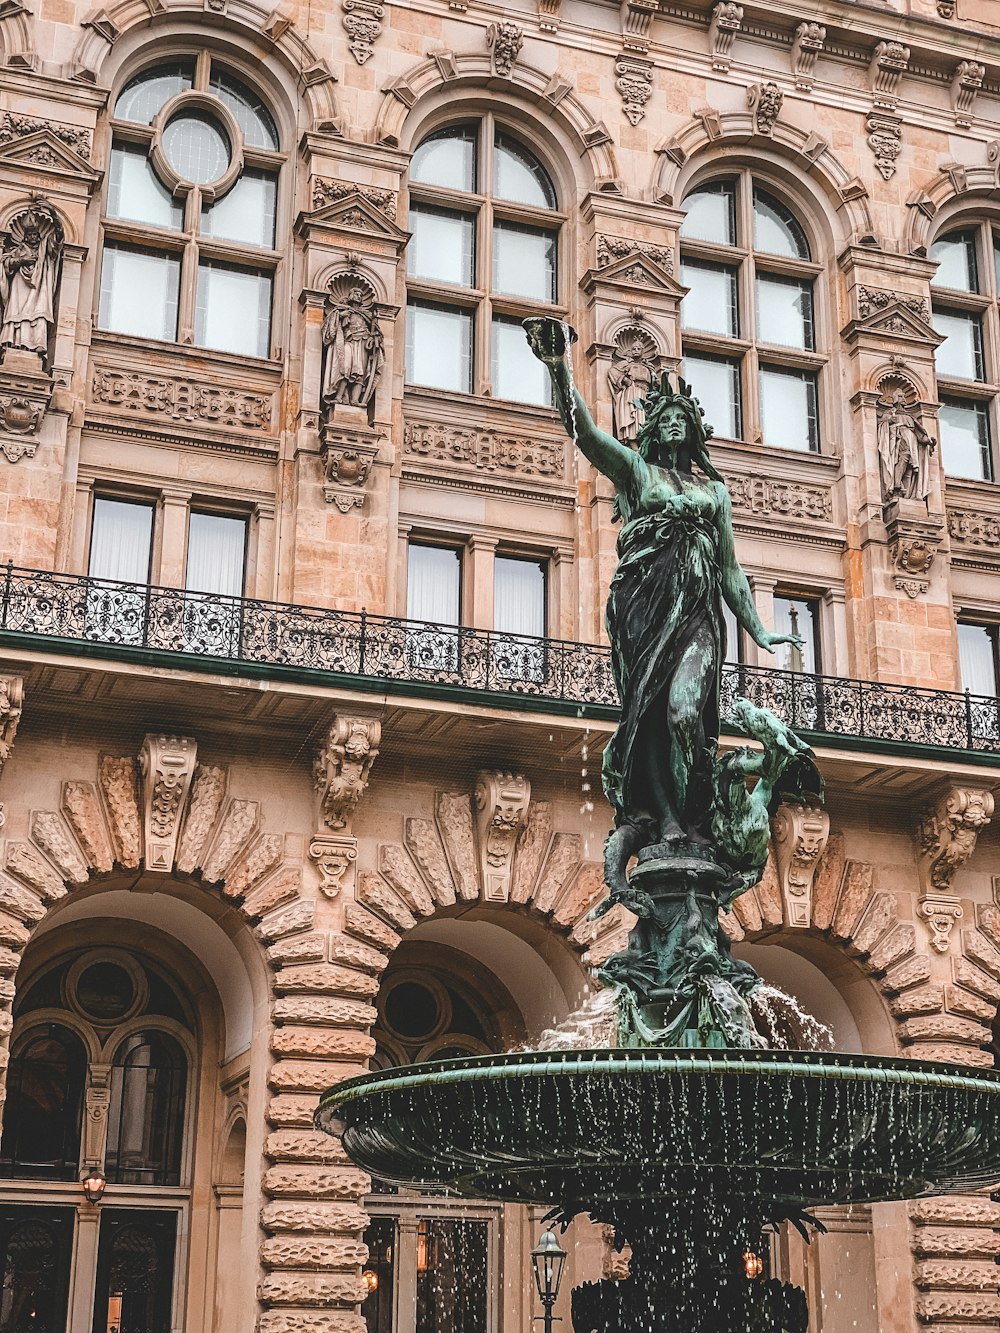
x=483 y=255
x=966 y=288
x=42 y=1115
x=189 y=226
x=146 y=1115
x=749 y=326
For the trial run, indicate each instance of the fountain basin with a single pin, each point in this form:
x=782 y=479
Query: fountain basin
x=590 y=1130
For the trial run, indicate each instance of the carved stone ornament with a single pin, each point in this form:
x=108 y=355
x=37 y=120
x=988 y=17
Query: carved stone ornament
x=634 y=81
x=326 y=191
x=612 y=248
x=888 y=65
x=354 y=343
x=14 y=127
x=946 y=837
x=946 y=9
x=634 y=366
x=98 y=1104
x=167 y=765
x=965 y=86
x=904 y=449
x=362 y=19
x=800 y=834
x=809 y=39
x=30 y=272
x=764 y=103
x=501 y=802
x=11 y=707
x=969 y=527
x=636 y=17
x=940 y=911
x=347 y=456
x=180 y=401
x=727 y=18
x=873 y=299
x=884 y=134
x=504 y=41
x=334 y=857
x=343 y=766
x=913 y=557
x=518 y=457
x=763 y=497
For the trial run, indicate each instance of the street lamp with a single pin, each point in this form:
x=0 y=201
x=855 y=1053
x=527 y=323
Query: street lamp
x=94 y=1182
x=547 y=1259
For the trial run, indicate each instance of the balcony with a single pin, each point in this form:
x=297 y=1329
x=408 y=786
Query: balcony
x=171 y=628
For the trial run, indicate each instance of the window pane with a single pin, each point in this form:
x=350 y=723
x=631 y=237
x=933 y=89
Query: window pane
x=524 y=262
x=135 y=1271
x=441 y=247
x=143 y=96
x=452 y=1275
x=376 y=1309
x=216 y=554
x=43 y=1110
x=711 y=213
x=977 y=658
x=788 y=408
x=438 y=347
x=793 y=615
x=234 y=309
x=956 y=259
x=135 y=191
x=711 y=304
x=433 y=584
x=139 y=293
x=249 y=112
x=776 y=230
x=965 y=439
x=120 y=540
x=196 y=147
x=518 y=176
x=516 y=373
x=716 y=384
x=244 y=213
x=146 y=1111
x=36 y=1250
x=961 y=353
x=785 y=312
x=519 y=596
x=447 y=158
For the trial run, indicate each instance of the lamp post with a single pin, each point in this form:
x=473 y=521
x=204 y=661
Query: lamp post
x=547 y=1260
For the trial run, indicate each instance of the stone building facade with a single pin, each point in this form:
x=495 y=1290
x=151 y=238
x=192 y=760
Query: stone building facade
x=263 y=396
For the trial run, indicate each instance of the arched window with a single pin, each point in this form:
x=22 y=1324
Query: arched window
x=189 y=226
x=42 y=1116
x=146 y=1115
x=484 y=254
x=966 y=288
x=749 y=327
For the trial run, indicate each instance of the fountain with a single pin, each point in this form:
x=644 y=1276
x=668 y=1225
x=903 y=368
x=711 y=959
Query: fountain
x=686 y=1134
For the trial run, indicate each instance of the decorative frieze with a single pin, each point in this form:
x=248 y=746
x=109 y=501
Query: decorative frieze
x=504 y=40
x=634 y=81
x=800 y=834
x=727 y=18
x=765 y=497
x=14 y=128
x=501 y=803
x=343 y=767
x=764 y=104
x=167 y=765
x=965 y=86
x=179 y=401
x=873 y=299
x=485 y=450
x=808 y=43
x=610 y=249
x=362 y=20
x=967 y=527
x=326 y=191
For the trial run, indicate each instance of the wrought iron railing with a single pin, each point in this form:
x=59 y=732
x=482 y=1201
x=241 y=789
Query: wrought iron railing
x=406 y=656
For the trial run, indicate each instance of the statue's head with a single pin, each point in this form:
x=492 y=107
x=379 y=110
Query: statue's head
x=355 y=296
x=674 y=433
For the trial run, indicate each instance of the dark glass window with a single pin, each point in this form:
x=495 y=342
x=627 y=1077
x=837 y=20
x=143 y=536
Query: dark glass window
x=452 y=1273
x=35 y=1253
x=146 y=1115
x=135 y=1271
x=43 y=1112
x=379 y=1274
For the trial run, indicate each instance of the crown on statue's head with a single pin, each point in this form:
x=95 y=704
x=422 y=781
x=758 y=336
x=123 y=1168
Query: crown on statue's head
x=660 y=398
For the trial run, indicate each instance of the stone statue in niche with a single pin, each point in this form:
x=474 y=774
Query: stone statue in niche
x=30 y=268
x=904 y=450
x=355 y=346
x=631 y=377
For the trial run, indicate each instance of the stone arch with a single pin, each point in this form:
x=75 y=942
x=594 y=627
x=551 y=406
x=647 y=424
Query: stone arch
x=811 y=154
x=553 y=93
x=16 y=38
x=952 y=183
x=270 y=29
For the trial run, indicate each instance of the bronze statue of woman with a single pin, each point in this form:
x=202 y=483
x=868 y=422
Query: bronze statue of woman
x=676 y=566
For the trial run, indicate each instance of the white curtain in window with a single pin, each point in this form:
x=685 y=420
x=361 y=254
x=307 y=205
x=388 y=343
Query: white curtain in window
x=120 y=541
x=433 y=584
x=216 y=554
x=519 y=597
x=976 y=659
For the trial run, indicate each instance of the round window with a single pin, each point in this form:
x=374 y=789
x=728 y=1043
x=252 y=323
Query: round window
x=197 y=148
x=412 y=1010
x=105 y=991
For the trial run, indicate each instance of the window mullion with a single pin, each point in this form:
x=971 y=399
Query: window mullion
x=202 y=70
x=188 y=294
x=484 y=340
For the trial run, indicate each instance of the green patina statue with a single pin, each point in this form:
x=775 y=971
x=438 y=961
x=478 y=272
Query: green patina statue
x=699 y=831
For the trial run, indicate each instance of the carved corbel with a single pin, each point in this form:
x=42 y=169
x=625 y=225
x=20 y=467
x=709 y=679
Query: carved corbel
x=504 y=40
x=946 y=837
x=800 y=834
x=335 y=859
x=764 y=104
x=634 y=81
x=363 y=23
x=636 y=17
x=11 y=705
x=98 y=1102
x=347 y=454
x=914 y=540
x=501 y=803
x=167 y=765
x=965 y=86
x=884 y=139
x=342 y=768
x=809 y=39
x=888 y=64
x=727 y=18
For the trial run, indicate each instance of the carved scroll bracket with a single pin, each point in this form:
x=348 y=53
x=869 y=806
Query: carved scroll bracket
x=167 y=765
x=11 y=705
x=800 y=834
x=335 y=858
x=98 y=1103
x=501 y=802
x=342 y=768
x=946 y=837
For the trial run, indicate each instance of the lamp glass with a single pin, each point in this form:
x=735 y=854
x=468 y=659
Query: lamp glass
x=547 y=1259
x=94 y=1182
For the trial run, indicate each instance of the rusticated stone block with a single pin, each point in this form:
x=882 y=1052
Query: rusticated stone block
x=309 y=948
x=398 y=870
x=827 y=883
x=453 y=811
x=966 y=1242
x=316 y=1182
x=119 y=785
x=237 y=828
x=314 y=1252
x=976 y=946
x=855 y=893
x=969 y=1005
x=988 y=917
x=291 y=1111
x=263 y=857
x=20 y=902
x=208 y=791
x=282 y=1288
x=311 y=1321
x=974 y=979
x=586 y=891
x=13 y=933
x=281 y=889
x=29 y=866
x=325 y=1011
x=353 y=953
x=82 y=808
x=291 y=920
x=956 y=1274
x=322 y=1043
x=601 y=950
x=944 y=1027
x=560 y=868
x=50 y=835
x=423 y=842
x=309 y=1075
x=746 y=909
x=908 y=972
x=323 y=1217
x=531 y=850
x=951 y=1053
x=9 y=962
x=290 y=1145
x=958 y=1210
x=936 y=1307
x=919 y=1000
x=894 y=947
x=731 y=927
x=368 y=928
x=326 y=979
x=375 y=893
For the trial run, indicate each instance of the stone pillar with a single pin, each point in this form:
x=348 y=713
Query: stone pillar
x=477 y=582
x=171 y=567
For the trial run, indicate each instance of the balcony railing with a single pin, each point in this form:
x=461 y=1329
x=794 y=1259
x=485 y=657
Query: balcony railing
x=244 y=635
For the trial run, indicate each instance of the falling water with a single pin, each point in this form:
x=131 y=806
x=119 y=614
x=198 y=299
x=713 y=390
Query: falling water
x=785 y=1023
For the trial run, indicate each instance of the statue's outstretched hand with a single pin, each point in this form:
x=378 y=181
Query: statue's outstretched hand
x=772 y=641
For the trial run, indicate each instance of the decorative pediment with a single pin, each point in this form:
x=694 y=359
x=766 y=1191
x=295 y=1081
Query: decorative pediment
x=45 y=153
x=632 y=271
x=895 y=321
x=353 y=213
